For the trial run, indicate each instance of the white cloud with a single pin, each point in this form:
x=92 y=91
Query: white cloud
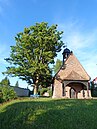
x=76 y=37
x=4 y=53
x=82 y=43
x=3 y=48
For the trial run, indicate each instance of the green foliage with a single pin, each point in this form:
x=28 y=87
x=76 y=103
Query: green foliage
x=57 y=65
x=50 y=92
x=5 y=82
x=7 y=93
x=43 y=90
x=49 y=114
x=1 y=96
x=35 y=49
x=94 y=92
x=93 y=88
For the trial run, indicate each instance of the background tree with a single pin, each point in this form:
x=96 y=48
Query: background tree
x=35 y=49
x=17 y=84
x=6 y=91
x=93 y=87
x=57 y=65
x=5 y=82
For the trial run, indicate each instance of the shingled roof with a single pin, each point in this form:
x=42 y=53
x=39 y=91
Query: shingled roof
x=72 y=70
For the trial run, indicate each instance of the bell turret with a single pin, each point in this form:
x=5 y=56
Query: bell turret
x=65 y=54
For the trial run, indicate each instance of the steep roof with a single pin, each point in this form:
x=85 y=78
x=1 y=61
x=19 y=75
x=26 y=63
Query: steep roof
x=95 y=79
x=72 y=70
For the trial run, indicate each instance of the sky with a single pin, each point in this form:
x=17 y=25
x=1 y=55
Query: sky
x=77 y=18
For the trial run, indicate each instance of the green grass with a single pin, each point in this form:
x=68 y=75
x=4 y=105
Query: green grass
x=49 y=114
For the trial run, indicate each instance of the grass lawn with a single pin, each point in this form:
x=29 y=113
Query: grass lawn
x=49 y=114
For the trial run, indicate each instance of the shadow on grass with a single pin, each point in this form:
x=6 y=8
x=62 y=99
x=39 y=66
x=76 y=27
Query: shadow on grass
x=51 y=114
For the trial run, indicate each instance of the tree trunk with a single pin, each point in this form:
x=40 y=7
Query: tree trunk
x=36 y=87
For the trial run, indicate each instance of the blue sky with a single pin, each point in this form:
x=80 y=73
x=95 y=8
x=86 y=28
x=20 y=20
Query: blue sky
x=77 y=18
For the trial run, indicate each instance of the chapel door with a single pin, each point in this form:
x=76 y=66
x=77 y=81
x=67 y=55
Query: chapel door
x=72 y=93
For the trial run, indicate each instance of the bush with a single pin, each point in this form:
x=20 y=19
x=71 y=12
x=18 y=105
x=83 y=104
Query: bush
x=94 y=92
x=7 y=93
x=50 y=92
x=93 y=89
x=43 y=90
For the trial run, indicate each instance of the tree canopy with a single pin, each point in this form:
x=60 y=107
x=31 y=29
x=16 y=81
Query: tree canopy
x=5 y=82
x=6 y=91
x=36 y=47
x=57 y=65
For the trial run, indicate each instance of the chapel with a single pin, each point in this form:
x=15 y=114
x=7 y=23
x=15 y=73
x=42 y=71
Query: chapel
x=71 y=81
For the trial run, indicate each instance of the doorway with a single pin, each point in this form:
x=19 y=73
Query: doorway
x=72 y=93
